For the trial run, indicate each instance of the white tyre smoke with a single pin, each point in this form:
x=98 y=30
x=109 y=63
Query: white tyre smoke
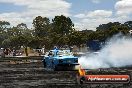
x=117 y=53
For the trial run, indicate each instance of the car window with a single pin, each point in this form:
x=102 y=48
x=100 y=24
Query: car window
x=51 y=53
x=64 y=53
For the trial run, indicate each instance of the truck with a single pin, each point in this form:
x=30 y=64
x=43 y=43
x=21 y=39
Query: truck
x=60 y=60
x=95 y=45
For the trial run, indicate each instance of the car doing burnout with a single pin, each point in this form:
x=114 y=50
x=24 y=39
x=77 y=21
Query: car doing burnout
x=62 y=60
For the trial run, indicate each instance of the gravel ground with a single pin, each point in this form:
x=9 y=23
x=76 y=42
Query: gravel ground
x=31 y=74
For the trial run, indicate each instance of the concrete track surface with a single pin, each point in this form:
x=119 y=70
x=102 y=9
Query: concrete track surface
x=31 y=74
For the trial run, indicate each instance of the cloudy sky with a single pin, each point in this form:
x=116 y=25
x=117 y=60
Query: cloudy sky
x=86 y=14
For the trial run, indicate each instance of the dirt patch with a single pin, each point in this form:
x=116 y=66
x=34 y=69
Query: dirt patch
x=33 y=75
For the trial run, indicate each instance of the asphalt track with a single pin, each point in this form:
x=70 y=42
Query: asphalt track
x=31 y=74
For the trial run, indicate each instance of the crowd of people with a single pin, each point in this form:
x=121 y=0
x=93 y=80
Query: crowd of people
x=9 y=52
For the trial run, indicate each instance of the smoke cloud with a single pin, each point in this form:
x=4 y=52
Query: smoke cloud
x=116 y=53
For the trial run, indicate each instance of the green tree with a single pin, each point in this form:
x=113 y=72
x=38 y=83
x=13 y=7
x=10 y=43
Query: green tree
x=41 y=26
x=104 y=27
x=128 y=24
x=62 y=25
x=18 y=36
x=4 y=25
x=77 y=38
x=22 y=26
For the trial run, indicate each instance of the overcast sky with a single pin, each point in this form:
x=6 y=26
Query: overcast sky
x=85 y=14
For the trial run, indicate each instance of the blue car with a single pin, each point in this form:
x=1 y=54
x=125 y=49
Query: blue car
x=60 y=60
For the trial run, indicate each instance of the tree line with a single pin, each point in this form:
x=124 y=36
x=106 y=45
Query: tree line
x=56 y=32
